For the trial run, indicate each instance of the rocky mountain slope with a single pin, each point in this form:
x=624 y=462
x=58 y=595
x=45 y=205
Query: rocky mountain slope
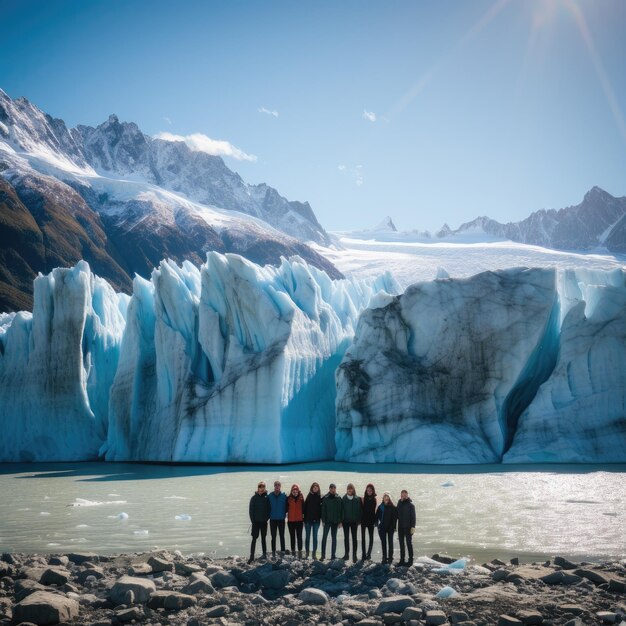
x=598 y=221
x=123 y=201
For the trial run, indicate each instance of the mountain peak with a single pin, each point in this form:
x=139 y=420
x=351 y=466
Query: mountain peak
x=113 y=119
x=386 y=225
x=596 y=193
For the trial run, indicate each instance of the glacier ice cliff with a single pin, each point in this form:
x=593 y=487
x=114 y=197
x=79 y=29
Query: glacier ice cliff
x=515 y=366
x=234 y=362
x=56 y=368
x=229 y=362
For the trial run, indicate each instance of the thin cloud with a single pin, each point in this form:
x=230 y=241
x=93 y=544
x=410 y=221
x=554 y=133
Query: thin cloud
x=273 y=113
x=370 y=116
x=167 y=120
x=201 y=143
x=355 y=173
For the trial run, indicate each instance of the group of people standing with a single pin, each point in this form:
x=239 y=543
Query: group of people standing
x=332 y=511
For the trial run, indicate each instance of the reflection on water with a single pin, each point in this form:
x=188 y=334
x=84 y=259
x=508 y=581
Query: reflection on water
x=484 y=511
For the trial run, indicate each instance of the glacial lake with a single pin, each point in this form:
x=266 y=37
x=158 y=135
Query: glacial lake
x=577 y=511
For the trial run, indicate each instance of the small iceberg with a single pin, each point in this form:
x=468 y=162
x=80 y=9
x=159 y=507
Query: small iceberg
x=447 y=592
x=448 y=483
x=121 y=515
x=175 y=498
x=183 y=517
x=82 y=502
x=141 y=533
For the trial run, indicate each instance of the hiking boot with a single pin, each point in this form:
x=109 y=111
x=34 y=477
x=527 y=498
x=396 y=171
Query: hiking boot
x=346 y=557
x=409 y=563
x=307 y=555
x=315 y=556
x=251 y=559
x=401 y=563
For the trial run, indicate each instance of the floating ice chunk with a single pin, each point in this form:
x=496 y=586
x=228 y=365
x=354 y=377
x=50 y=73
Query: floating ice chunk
x=178 y=553
x=183 y=517
x=114 y=495
x=453 y=568
x=83 y=502
x=44 y=513
x=141 y=533
x=448 y=483
x=175 y=498
x=447 y=592
x=121 y=515
x=52 y=545
x=442 y=273
x=82 y=526
x=220 y=543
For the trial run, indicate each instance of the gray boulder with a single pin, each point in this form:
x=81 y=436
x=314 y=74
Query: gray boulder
x=159 y=564
x=222 y=578
x=80 y=557
x=185 y=569
x=141 y=589
x=43 y=607
x=313 y=596
x=275 y=580
x=435 y=618
x=198 y=583
x=171 y=600
x=394 y=604
x=217 y=611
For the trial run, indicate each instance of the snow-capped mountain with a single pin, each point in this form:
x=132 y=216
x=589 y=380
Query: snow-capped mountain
x=386 y=225
x=123 y=201
x=598 y=221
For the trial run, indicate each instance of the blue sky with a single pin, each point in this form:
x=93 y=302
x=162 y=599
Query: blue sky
x=426 y=111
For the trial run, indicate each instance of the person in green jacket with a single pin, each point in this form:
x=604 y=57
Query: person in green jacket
x=351 y=518
x=332 y=516
x=259 y=511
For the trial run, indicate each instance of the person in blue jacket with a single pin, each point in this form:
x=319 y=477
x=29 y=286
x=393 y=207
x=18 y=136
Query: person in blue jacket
x=278 y=512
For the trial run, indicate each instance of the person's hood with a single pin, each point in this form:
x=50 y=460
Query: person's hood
x=404 y=501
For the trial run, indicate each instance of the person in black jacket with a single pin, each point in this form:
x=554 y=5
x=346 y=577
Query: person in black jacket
x=386 y=520
x=368 y=519
x=259 y=510
x=406 y=526
x=312 y=517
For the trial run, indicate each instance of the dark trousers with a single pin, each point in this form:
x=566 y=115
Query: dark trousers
x=405 y=536
x=370 y=529
x=258 y=528
x=386 y=540
x=350 y=529
x=277 y=525
x=295 y=533
x=332 y=528
x=311 y=529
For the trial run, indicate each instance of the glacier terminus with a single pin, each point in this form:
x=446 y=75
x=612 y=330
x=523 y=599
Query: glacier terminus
x=237 y=362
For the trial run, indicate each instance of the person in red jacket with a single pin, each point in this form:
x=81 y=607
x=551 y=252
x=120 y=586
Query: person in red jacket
x=295 y=518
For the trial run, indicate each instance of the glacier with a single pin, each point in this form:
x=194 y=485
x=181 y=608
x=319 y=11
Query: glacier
x=509 y=366
x=56 y=367
x=236 y=362
x=223 y=363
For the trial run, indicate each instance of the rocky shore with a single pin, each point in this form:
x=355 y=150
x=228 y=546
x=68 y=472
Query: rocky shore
x=167 y=588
